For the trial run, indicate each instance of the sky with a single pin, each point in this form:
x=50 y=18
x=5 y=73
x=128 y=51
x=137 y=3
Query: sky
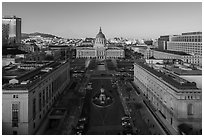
x=117 y=19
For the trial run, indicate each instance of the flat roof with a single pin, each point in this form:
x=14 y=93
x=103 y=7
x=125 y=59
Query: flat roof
x=59 y=46
x=192 y=33
x=85 y=46
x=12 y=51
x=172 y=52
x=174 y=81
x=180 y=71
x=33 y=76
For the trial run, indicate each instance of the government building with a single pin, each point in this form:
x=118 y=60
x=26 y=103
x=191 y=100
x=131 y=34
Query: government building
x=29 y=95
x=99 y=49
x=177 y=101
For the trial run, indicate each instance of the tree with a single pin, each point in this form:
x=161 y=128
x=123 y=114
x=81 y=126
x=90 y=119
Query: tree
x=128 y=89
x=185 y=128
x=138 y=105
x=49 y=57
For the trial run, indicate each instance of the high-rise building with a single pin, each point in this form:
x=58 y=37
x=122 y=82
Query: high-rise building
x=162 y=42
x=11 y=30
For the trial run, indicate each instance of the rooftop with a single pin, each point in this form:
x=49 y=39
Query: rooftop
x=88 y=45
x=172 y=52
x=184 y=71
x=12 y=51
x=192 y=33
x=10 y=17
x=176 y=82
x=31 y=77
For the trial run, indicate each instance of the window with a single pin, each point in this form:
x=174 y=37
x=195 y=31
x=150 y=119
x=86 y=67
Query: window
x=52 y=89
x=34 y=108
x=46 y=94
x=15 y=96
x=15 y=113
x=40 y=100
x=190 y=109
x=34 y=125
x=49 y=91
x=43 y=100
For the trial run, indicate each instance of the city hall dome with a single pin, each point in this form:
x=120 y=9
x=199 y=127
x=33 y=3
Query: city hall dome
x=100 y=34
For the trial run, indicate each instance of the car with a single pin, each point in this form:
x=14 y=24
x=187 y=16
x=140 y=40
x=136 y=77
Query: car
x=126 y=123
x=83 y=119
x=80 y=126
x=89 y=87
x=79 y=132
x=125 y=118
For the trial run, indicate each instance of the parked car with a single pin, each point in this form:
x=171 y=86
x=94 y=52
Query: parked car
x=80 y=126
x=82 y=120
x=125 y=118
x=126 y=123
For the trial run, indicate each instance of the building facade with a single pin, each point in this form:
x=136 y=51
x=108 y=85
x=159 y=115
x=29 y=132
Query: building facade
x=11 y=30
x=26 y=100
x=99 y=50
x=162 y=42
x=190 y=43
x=178 y=100
x=187 y=58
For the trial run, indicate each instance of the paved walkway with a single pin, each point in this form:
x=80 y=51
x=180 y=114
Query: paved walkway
x=142 y=118
x=166 y=126
x=108 y=116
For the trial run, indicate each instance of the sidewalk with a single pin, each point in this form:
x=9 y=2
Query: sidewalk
x=157 y=115
x=143 y=119
x=71 y=122
x=125 y=106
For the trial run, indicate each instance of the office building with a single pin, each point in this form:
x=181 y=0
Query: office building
x=190 y=43
x=162 y=42
x=30 y=94
x=11 y=30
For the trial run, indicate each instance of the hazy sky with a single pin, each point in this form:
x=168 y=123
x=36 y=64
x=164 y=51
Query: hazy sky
x=133 y=20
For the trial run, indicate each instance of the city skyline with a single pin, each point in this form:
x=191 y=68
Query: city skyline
x=131 y=20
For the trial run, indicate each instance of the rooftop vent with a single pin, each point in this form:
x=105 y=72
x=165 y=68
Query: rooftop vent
x=25 y=82
x=13 y=81
x=46 y=69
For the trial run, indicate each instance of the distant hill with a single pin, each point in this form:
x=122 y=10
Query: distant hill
x=25 y=35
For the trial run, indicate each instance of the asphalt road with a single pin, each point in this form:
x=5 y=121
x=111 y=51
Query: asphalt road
x=106 y=120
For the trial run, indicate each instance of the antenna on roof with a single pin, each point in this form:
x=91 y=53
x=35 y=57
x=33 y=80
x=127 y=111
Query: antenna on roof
x=100 y=30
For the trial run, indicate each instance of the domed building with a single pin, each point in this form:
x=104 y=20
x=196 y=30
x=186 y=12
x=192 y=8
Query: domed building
x=99 y=49
x=100 y=40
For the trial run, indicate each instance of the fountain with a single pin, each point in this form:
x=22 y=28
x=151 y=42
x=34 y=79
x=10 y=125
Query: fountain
x=102 y=99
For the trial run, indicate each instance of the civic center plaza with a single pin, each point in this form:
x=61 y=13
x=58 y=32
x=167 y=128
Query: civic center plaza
x=172 y=89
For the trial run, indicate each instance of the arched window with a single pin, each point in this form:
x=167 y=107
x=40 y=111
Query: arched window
x=190 y=109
